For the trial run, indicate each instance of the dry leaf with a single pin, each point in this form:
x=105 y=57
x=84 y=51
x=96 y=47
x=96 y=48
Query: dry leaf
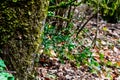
x=116 y=50
x=118 y=63
x=52 y=52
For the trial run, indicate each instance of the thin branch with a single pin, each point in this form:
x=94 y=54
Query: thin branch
x=63 y=18
x=64 y=5
x=95 y=38
x=61 y=5
x=85 y=24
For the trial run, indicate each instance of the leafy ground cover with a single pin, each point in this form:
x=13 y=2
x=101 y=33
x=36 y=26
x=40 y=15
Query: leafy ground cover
x=78 y=45
x=99 y=57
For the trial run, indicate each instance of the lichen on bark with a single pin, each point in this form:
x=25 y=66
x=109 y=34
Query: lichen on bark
x=21 y=27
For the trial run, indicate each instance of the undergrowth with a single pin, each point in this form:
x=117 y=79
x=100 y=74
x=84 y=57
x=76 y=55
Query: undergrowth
x=64 y=45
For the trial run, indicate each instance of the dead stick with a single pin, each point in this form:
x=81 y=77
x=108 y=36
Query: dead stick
x=85 y=24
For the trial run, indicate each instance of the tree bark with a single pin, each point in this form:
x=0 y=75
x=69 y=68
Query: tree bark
x=21 y=27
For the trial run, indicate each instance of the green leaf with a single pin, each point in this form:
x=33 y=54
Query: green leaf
x=6 y=76
x=71 y=46
x=29 y=13
x=50 y=13
x=101 y=56
x=1 y=69
x=78 y=64
x=14 y=0
x=2 y=64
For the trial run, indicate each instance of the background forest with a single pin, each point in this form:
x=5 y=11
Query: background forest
x=60 y=40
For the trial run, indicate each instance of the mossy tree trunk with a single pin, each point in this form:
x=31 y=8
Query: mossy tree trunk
x=21 y=27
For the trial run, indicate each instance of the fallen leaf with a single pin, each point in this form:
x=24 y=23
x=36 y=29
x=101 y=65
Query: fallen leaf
x=118 y=63
x=52 y=52
x=116 y=50
x=105 y=28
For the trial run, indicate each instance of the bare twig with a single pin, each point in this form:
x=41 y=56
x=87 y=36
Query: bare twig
x=85 y=24
x=95 y=38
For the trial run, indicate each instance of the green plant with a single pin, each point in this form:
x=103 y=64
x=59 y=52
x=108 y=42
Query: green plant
x=86 y=58
x=63 y=45
x=3 y=74
x=63 y=42
x=14 y=0
x=57 y=41
x=109 y=9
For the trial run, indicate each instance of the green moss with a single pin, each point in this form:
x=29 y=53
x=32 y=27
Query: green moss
x=21 y=25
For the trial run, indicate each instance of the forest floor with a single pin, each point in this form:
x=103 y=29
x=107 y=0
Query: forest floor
x=107 y=43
